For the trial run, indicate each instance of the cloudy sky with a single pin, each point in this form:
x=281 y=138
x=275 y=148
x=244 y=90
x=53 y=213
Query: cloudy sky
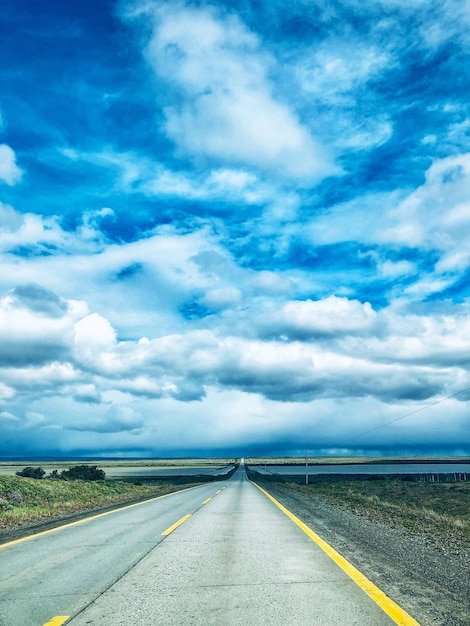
x=235 y=227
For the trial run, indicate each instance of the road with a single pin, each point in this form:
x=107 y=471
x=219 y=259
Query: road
x=219 y=554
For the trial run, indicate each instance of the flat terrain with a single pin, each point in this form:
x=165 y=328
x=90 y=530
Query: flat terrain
x=411 y=539
x=215 y=554
x=112 y=467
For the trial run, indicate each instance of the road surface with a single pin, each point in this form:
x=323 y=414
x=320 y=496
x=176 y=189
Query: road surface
x=220 y=554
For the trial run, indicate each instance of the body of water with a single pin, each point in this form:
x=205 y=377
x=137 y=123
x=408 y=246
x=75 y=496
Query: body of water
x=126 y=472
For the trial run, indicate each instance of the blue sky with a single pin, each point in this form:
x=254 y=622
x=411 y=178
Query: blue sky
x=235 y=227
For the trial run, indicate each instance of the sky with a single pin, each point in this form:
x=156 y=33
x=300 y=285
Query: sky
x=234 y=228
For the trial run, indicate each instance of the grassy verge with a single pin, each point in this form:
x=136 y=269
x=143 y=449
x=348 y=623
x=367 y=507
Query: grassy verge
x=439 y=510
x=25 y=500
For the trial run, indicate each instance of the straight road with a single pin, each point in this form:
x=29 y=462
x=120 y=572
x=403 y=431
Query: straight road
x=204 y=558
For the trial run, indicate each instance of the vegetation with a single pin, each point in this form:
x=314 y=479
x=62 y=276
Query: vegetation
x=83 y=472
x=26 y=500
x=77 y=472
x=439 y=510
x=32 y=472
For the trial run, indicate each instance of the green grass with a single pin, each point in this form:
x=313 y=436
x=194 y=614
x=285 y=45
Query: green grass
x=25 y=500
x=439 y=510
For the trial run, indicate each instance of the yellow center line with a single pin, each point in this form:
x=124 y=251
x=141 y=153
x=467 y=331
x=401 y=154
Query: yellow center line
x=217 y=492
x=398 y=615
x=57 y=621
x=87 y=519
x=206 y=501
x=175 y=526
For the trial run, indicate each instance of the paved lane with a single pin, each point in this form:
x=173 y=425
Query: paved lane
x=60 y=572
x=238 y=561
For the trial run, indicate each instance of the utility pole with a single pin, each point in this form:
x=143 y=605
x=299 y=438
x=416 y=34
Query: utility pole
x=306 y=468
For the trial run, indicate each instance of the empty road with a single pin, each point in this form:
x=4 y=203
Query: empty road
x=219 y=554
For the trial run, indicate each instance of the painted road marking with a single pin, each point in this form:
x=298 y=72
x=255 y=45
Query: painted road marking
x=217 y=492
x=175 y=526
x=57 y=621
x=87 y=519
x=206 y=501
x=398 y=615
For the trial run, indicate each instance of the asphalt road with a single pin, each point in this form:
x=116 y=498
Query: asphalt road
x=194 y=557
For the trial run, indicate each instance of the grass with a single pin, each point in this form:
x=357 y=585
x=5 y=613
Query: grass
x=439 y=510
x=25 y=500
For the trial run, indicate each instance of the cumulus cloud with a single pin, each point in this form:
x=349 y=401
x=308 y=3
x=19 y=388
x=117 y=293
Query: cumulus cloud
x=330 y=316
x=10 y=173
x=27 y=338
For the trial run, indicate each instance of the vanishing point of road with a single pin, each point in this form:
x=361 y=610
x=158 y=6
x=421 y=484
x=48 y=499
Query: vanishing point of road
x=220 y=554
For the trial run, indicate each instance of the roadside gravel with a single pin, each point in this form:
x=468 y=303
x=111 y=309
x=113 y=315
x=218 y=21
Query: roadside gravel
x=431 y=582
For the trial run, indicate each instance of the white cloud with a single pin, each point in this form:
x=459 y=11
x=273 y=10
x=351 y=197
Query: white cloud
x=6 y=393
x=141 y=175
x=333 y=78
x=10 y=173
x=330 y=316
x=94 y=338
x=6 y=415
x=340 y=349
x=436 y=214
x=224 y=105
x=271 y=282
x=222 y=297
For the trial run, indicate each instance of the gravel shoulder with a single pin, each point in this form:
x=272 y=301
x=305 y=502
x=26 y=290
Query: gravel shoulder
x=429 y=581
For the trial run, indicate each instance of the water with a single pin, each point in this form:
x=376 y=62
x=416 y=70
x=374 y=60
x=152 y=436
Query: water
x=121 y=472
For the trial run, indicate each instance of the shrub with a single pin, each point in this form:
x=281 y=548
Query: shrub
x=32 y=472
x=54 y=475
x=15 y=497
x=83 y=472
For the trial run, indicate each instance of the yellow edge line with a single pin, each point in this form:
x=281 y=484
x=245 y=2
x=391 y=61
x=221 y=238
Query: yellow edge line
x=87 y=519
x=206 y=501
x=57 y=621
x=175 y=525
x=399 y=615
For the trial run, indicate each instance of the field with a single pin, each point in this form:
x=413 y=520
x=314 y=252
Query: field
x=11 y=467
x=441 y=511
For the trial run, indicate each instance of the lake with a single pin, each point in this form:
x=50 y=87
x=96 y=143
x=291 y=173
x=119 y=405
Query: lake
x=360 y=468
